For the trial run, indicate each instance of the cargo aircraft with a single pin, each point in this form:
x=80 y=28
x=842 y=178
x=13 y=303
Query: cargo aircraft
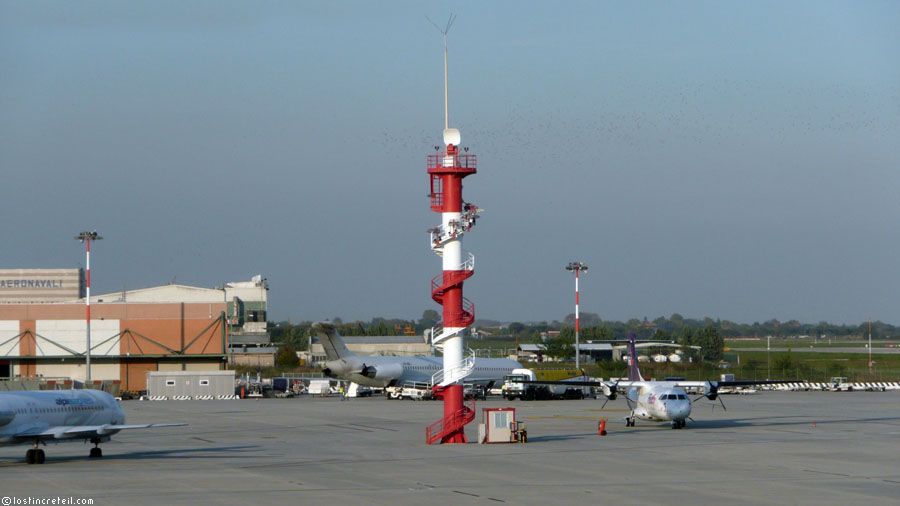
x=659 y=401
x=384 y=371
x=36 y=417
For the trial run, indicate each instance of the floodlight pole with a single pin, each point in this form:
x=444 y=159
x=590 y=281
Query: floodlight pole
x=870 y=346
x=577 y=266
x=86 y=238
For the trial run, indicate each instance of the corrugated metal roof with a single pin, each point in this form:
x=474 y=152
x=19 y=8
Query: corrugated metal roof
x=380 y=339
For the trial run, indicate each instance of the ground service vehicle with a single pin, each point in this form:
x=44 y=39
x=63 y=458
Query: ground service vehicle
x=514 y=388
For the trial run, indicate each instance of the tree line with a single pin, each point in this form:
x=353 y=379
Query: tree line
x=710 y=341
x=644 y=328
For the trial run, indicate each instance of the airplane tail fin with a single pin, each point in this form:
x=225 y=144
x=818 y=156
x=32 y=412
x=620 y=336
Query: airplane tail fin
x=634 y=374
x=331 y=341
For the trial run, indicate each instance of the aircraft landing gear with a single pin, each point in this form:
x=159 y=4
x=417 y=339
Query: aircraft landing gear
x=96 y=452
x=678 y=424
x=35 y=455
x=629 y=421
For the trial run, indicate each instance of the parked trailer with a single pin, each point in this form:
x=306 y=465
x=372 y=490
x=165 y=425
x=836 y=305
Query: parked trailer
x=514 y=388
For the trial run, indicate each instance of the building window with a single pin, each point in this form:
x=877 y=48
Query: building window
x=170 y=383
x=204 y=383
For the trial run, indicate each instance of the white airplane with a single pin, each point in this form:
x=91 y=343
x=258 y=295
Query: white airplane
x=386 y=371
x=659 y=401
x=62 y=415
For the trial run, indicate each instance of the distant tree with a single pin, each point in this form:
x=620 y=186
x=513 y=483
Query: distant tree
x=712 y=345
x=584 y=319
x=515 y=328
x=287 y=357
x=380 y=329
x=561 y=347
x=662 y=335
x=429 y=318
x=784 y=362
x=687 y=338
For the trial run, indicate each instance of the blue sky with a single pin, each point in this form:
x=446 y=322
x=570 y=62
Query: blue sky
x=712 y=159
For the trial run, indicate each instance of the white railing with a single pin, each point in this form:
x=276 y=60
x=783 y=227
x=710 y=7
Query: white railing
x=469 y=263
x=442 y=335
x=457 y=372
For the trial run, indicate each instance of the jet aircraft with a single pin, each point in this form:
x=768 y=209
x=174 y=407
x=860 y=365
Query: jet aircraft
x=62 y=415
x=384 y=371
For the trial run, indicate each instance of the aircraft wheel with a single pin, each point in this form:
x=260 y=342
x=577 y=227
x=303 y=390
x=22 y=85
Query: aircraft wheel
x=30 y=457
x=39 y=456
x=96 y=453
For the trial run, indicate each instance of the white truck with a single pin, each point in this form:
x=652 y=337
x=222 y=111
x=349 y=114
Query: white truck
x=514 y=388
x=319 y=387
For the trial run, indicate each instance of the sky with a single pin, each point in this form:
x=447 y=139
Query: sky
x=732 y=160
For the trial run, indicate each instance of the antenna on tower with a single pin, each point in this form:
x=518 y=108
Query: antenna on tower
x=451 y=135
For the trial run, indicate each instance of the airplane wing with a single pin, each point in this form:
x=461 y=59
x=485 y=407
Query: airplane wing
x=620 y=384
x=678 y=383
x=733 y=383
x=81 y=431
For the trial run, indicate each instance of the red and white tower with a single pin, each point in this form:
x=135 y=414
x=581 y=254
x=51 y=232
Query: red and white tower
x=446 y=170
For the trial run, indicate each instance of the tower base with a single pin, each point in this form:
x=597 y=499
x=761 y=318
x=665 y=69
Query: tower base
x=453 y=406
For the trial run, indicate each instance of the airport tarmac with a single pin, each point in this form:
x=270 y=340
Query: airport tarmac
x=769 y=448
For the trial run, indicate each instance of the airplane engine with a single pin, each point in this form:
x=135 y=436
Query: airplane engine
x=339 y=367
x=382 y=372
x=609 y=392
x=6 y=417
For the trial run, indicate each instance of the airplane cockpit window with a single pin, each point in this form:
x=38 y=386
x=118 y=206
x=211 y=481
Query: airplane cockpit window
x=682 y=397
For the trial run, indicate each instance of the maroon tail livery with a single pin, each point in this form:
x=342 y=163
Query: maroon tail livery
x=633 y=373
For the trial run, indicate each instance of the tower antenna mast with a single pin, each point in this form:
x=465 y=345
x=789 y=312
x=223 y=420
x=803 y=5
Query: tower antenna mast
x=446 y=88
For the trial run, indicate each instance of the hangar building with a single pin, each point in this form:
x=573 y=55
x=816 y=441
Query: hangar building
x=165 y=328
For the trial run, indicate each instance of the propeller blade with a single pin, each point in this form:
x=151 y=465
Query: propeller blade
x=722 y=403
x=604 y=404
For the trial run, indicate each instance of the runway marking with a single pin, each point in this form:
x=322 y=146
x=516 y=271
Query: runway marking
x=201 y=439
x=826 y=472
x=376 y=428
x=347 y=427
x=466 y=493
x=806 y=433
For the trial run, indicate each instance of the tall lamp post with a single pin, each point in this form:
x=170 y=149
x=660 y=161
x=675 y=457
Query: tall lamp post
x=577 y=266
x=86 y=238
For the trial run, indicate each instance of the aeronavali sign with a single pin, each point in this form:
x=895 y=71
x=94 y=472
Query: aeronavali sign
x=31 y=283
x=41 y=285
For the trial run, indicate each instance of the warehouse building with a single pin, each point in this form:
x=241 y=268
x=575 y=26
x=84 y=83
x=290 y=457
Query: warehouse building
x=43 y=332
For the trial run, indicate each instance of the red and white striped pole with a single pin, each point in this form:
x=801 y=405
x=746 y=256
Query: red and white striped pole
x=577 y=266
x=87 y=237
x=446 y=171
